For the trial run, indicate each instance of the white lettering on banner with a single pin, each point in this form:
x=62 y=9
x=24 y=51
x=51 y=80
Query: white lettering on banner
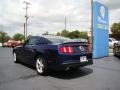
x=102 y=26
x=101 y=20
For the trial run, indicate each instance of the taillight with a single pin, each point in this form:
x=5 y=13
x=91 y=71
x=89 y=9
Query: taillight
x=66 y=49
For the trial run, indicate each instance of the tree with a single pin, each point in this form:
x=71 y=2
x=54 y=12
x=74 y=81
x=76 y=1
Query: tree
x=77 y=34
x=18 y=36
x=58 y=34
x=64 y=33
x=115 y=29
x=83 y=35
x=4 y=37
x=74 y=34
x=45 y=33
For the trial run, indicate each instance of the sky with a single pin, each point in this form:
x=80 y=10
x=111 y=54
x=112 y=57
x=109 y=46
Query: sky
x=49 y=15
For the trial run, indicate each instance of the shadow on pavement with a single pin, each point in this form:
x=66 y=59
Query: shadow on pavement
x=71 y=74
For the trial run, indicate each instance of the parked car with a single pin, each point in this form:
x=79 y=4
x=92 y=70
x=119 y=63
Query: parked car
x=5 y=44
x=53 y=52
x=116 y=50
x=112 y=42
x=16 y=43
x=12 y=44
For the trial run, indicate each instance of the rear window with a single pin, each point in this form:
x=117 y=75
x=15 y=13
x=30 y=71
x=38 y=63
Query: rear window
x=80 y=40
x=58 y=39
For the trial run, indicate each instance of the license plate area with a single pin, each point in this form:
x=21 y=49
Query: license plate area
x=83 y=59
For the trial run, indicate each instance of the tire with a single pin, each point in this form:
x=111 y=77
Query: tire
x=15 y=58
x=41 y=66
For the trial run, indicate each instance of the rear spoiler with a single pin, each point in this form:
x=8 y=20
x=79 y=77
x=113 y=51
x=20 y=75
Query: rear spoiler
x=82 y=43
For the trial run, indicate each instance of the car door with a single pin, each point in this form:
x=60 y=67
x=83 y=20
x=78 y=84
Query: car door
x=30 y=50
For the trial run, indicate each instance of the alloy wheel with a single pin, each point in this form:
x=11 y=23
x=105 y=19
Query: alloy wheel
x=40 y=65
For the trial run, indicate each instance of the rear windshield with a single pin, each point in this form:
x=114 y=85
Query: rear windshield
x=80 y=40
x=58 y=39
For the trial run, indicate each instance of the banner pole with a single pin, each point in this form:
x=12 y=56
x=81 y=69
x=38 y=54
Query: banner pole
x=92 y=36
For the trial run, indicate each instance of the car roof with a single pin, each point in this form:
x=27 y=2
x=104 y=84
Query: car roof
x=47 y=36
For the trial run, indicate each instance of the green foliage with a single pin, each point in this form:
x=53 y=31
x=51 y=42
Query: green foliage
x=74 y=34
x=7 y=38
x=115 y=29
x=64 y=33
x=83 y=35
x=58 y=34
x=77 y=34
x=45 y=33
x=18 y=36
x=4 y=37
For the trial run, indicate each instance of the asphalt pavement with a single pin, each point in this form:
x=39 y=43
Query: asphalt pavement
x=104 y=74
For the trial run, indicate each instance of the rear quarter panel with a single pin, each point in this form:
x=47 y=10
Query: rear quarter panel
x=50 y=51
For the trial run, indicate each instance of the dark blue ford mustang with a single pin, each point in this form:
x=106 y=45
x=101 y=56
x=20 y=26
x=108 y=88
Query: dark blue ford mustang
x=53 y=52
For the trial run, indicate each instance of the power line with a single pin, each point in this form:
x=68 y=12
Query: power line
x=26 y=17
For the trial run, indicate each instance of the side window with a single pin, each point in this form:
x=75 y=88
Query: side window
x=42 y=41
x=31 y=41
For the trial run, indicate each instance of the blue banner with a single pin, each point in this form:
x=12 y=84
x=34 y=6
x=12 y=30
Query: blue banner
x=100 y=30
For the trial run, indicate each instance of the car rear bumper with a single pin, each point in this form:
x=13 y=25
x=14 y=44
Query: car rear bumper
x=78 y=63
x=74 y=64
x=71 y=61
x=69 y=64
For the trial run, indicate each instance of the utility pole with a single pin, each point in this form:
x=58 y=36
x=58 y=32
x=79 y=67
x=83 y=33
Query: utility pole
x=2 y=36
x=65 y=23
x=92 y=36
x=26 y=16
x=24 y=31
